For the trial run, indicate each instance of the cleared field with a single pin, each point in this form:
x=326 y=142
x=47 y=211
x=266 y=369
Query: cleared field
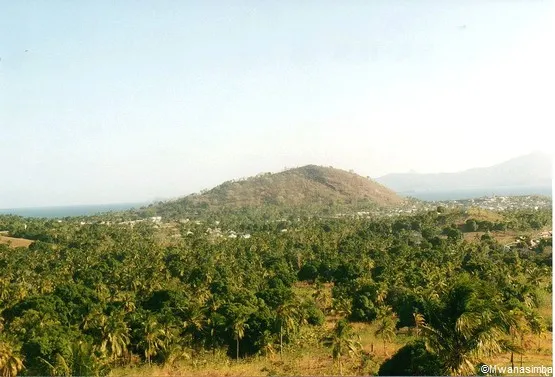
x=15 y=242
x=504 y=237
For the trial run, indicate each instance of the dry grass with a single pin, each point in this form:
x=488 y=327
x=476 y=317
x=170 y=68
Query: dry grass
x=15 y=242
x=482 y=214
x=317 y=361
x=503 y=237
x=534 y=355
x=208 y=366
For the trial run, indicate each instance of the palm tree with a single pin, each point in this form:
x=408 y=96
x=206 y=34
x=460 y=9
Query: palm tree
x=466 y=325
x=213 y=322
x=287 y=315
x=152 y=341
x=84 y=362
x=322 y=297
x=11 y=363
x=268 y=347
x=537 y=326
x=238 y=327
x=127 y=299
x=115 y=337
x=342 y=340
x=387 y=323
x=516 y=324
x=196 y=319
x=59 y=367
x=174 y=353
x=381 y=294
x=95 y=318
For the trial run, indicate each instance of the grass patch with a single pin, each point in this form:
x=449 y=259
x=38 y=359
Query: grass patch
x=15 y=242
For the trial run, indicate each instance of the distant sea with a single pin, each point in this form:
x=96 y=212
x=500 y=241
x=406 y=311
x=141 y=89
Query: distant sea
x=87 y=210
x=67 y=211
x=478 y=193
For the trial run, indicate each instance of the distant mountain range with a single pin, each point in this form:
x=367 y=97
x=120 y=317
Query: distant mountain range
x=310 y=187
x=529 y=174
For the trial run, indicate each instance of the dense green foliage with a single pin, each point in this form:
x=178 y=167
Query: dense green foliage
x=84 y=298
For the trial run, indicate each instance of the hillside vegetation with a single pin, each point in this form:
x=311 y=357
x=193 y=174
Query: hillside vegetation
x=311 y=187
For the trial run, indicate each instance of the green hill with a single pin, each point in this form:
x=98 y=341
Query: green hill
x=310 y=187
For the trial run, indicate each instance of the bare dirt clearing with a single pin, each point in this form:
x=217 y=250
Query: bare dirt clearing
x=15 y=242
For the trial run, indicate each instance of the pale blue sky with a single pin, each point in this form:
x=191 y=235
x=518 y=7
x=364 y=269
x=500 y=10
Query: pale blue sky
x=104 y=101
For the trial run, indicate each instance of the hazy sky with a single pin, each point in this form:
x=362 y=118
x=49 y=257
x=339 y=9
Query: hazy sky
x=122 y=101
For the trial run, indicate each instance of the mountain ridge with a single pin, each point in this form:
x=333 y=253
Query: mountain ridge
x=531 y=170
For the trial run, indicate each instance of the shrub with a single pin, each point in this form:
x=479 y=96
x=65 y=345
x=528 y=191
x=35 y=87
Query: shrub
x=412 y=360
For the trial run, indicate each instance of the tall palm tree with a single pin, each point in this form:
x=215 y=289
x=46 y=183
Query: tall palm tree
x=213 y=322
x=464 y=326
x=287 y=314
x=517 y=326
x=342 y=341
x=387 y=323
x=238 y=327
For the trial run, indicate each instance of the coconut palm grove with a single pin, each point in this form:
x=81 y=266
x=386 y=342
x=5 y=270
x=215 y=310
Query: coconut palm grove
x=193 y=288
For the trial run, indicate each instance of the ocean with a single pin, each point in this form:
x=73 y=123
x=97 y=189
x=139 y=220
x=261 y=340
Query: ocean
x=69 y=211
x=86 y=210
